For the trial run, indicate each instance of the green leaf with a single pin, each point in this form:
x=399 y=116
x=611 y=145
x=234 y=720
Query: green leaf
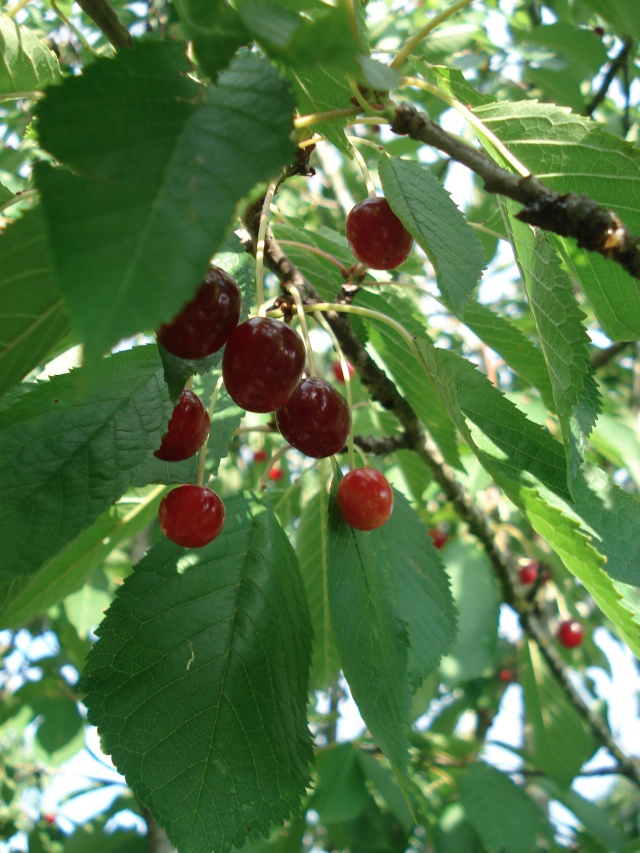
x=32 y=317
x=67 y=454
x=475 y=593
x=555 y=144
x=215 y=30
x=26 y=63
x=319 y=90
x=312 y=556
x=67 y=571
x=592 y=816
x=60 y=733
x=427 y=211
x=384 y=783
x=200 y=676
x=186 y=154
x=623 y=15
x=340 y=792
x=452 y=81
x=560 y=742
x=505 y=818
x=564 y=342
x=507 y=340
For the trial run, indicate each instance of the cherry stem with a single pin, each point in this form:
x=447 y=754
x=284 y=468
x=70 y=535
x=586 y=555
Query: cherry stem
x=272 y=461
x=73 y=29
x=371 y=190
x=203 y=450
x=405 y=52
x=478 y=125
x=318 y=118
x=262 y=232
x=344 y=364
x=305 y=329
x=331 y=258
x=25 y=195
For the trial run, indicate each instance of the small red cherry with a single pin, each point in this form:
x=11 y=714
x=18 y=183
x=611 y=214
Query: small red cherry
x=49 y=818
x=338 y=372
x=438 y=538
x=191 y=516
x=260 y=455
x=529 y=572
x=187 y=430
x=365 y=498
x=262 y=364
x=376 y=236
x=599 y=31
x=205 y=323
x=506 y=675
x=275 y=473
x=570 y=633
x=316 y=420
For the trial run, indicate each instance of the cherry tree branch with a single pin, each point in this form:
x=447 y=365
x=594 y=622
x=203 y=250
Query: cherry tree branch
x=617 y=63
x=567 y=214
x=415 y=437
x=105 y=18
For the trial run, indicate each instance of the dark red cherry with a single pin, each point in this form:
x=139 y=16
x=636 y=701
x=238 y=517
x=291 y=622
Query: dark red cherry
x=338 y=372
x=205 y=323
x=528 y=572
x=438 y=538
x=316 y=420
x=187 y=430
x=275 y=473
x=260 y=455
x=262 y=364
x=191 y=516
x=376 y=236
x=365 y=499
x=570 y=633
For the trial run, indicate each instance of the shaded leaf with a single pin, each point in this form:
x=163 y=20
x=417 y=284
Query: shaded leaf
x=320 y=90
x=215 y=30
x=340 y=792
x=200 y=675
x=26 y=63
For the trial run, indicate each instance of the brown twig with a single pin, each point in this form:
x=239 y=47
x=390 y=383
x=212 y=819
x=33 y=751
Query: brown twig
x=617 y=63
x=104 y=17
x=569 y=215
x=604 y=356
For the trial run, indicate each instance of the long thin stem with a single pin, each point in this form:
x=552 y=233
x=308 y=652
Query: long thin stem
x=305 y=329
x=26 y=195
x=21 y=96
x=478 y=125
x=314 y=251
x=405 y=52
x=203 y=450
x=317 y=118
x=262 y=230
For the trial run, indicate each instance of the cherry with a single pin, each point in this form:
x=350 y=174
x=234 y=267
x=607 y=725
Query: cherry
x=191 y=516
x=316 y=420
x=529 y=572
x=187 y=430
x=204 y=324
x=506 y=676
x=570 y=633
x=376 y=236
x=262 y=364
x=438 y=538
x=260 y=455
x=338 y=373
x=365 y=498
x=275 y=473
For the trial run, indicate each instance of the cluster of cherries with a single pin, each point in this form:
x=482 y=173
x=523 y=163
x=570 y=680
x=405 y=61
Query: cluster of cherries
x=570 y=633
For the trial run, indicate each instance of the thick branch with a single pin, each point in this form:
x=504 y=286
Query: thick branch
x=385 y=392
x=570 y=215
x=104 y=17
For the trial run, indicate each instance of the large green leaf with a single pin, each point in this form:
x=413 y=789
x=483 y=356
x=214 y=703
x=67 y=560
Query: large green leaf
x=26 y=598
x=312 y=555
x=66 y=454
x=215 y=30
x=475 y=593
x=439 y=227
x=26 y=63
x=505 y=818
x=198 y=684
x=184 y=154
x=392 y=615
x=563 y=338
x=340 y=791
x=319 y=90
x=560 y=742
x=32 y=318
x=555 y=145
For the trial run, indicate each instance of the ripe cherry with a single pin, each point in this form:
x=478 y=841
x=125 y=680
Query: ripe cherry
x=438 y=538
x=205 y=323
x=570 y=633
x=376 y=236
x=316 y=420
x=365 y=498
x=336 y=367
x=191 y=516
x=187 y=430
x=262 y=364
x=260 y=455
x=506 y=676
x=275 y=473
x=529 y=572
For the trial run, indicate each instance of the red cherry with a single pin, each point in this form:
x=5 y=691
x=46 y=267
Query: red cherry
x=599 y=31
x=260 y=456
x=438 y=538
x=506 y=675
x=570 y=633
x=187 y=430
x=336 y=367
x=49 y=818
x=275 y=473
x=376 y=236
x=365 y=499
x=262 y=364
x=529 y=572
x=316 y=420
x=204 y=324
x=191 y=516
